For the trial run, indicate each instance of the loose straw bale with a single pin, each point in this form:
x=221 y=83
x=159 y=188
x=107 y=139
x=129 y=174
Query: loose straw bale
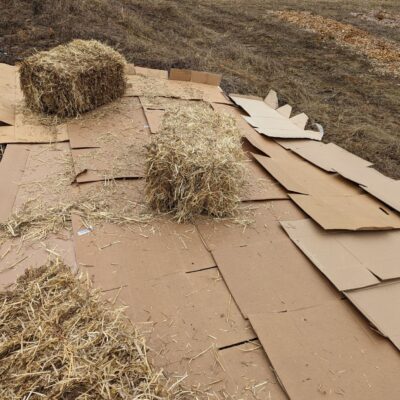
x=73 y=78
x=60 y=340
x=195 y=164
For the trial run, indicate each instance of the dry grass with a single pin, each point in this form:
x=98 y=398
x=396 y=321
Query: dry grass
x=195 y=164
x=71 y=79
x=60 y=340
x=384 y=53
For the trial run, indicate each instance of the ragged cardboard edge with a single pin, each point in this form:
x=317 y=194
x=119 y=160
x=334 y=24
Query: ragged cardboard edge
x=339 y=265
x=12 y=168
x=195 y=76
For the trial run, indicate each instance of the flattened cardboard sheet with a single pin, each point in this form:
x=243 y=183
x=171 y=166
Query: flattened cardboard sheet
x=143 y=268
x=383 y=188
x=154 y=119
x=298 y=176
x=260 y=185
x=224 y=322
x=271 y=276
x=252 y=373
x=153 y=73
x=328 y=351
x=326 y=251
x=195 y=76
x=380 y=305
x=354 y=213
x=12 y=167
x=328 y=157
x=33 y=134
x=343 y=255
x=8 y=76
x=144 y=86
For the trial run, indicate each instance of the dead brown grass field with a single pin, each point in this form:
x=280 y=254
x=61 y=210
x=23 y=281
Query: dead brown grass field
x=336 y=86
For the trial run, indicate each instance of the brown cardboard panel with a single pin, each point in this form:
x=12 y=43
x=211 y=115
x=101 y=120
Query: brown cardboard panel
x=342 y=267
x=380 y=305
x=271 y=276
x=130 y=69
x=195 y=76
x=260 y=185
x=383 y=188
x=272 y=99
x=263 y=227
x=328 y=157
x=298 y=176
x=154 y=73
x=359 y=212
x=17 y=255
x=154 y=119
x=33 y=134
x=224 y=321
x=286 y=211
x=143 y=268
x=8 y=75
x=265 y=145
x=12 y=168
x=112 y=122
x=255 y=107
x=252 y=373
x=328 y=352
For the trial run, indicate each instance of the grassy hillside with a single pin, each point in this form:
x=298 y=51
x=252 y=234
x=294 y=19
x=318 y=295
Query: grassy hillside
x=252 y=48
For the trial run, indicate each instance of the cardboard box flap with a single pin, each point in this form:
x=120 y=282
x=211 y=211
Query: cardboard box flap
x=328 y=351
x=343 y=268
x=328 y=157
x=359 y=212
x=380 y=305
x=298 y=176
x=195 y=76
x=265 y=276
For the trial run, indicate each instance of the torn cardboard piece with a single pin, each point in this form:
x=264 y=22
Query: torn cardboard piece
x=271 y=122
x=328 y=350
x=8 y=83
x=195 y=76
x=354 y=213
x=12 y=168
x=328 y=157
x=380 y=305
x=326 y=251
x=279 y=266
x=252 y=372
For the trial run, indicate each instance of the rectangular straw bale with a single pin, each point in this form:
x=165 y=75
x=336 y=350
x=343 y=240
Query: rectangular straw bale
x=195 y=164
x=73 y=78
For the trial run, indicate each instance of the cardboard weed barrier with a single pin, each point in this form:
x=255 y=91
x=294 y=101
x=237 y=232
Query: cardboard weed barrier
x=195 y=164
x=74 y=78
x=59 y=340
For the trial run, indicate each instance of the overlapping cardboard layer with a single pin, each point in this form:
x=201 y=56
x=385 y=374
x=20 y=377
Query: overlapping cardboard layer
x=328 y=352
x=380 y=305
x=270 y=122
x=348 y=260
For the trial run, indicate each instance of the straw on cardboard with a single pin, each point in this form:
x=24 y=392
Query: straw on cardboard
x=73 y=78
x=195 y=164
x=59 y=339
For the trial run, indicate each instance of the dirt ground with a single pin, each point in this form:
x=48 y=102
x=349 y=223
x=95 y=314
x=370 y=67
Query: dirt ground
x=255 y=51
